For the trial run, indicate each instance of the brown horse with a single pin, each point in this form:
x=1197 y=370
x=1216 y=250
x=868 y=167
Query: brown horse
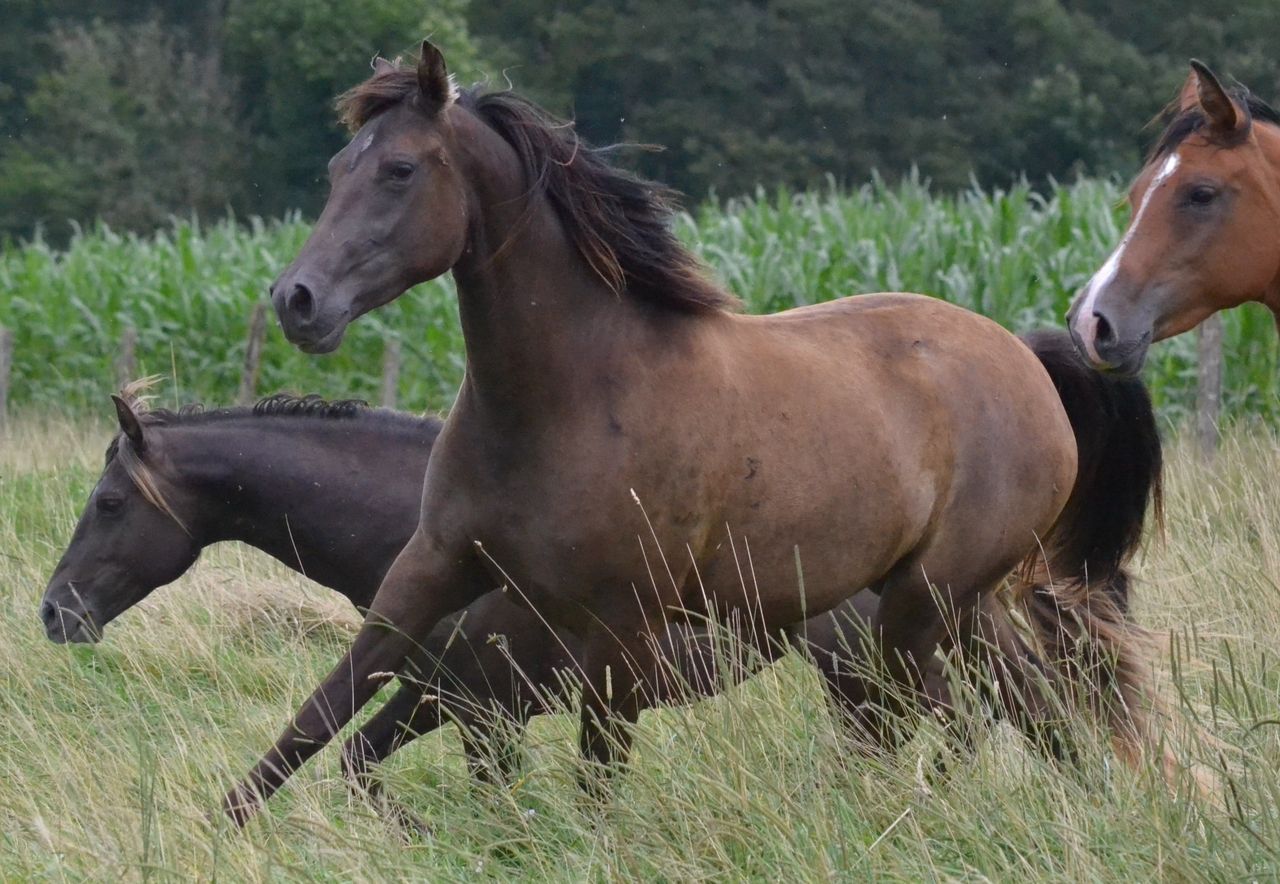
x=1205 y=231
x=626 y=449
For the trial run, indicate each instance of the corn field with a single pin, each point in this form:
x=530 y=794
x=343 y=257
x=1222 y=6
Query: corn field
x=1016 y=255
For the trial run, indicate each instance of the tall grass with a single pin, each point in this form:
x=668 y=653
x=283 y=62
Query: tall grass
x=1015 y=255
x=113 y=757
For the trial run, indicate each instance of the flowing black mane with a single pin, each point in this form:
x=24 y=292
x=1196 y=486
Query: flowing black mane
x=619 y=222
x=1180 y=124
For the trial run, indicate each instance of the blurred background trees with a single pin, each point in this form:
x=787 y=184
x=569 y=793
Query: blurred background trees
x=134 y=110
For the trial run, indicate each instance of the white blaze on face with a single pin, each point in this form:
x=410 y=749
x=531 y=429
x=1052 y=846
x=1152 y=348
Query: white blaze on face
x=1086 y=323
x=358 y=148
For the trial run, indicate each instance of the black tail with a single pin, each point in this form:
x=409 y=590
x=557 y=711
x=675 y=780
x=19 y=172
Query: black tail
x=1077 y=598
x=1119 y=466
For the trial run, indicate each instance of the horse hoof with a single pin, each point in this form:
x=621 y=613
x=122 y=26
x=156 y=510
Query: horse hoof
x=239 y=806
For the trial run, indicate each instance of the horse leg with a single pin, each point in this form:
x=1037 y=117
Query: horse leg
x=1024 y=687
x=405 y=717
x=999 y=664
x=488 y=742
x=969 y=635
x=616 y=665
x=840 y=644
x=423 y=585
x=913 y=628
x=695 y=660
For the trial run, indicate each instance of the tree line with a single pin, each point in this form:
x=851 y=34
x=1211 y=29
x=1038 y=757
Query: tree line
x=131 y=111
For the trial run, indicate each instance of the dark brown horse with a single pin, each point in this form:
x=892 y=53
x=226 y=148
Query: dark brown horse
x=626 y=449
x=1205 y=230
x=273 y=477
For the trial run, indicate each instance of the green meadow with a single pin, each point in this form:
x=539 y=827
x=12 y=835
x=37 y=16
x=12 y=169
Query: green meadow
x=114 y=756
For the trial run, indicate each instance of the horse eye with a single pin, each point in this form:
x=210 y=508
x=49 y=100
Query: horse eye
x=110 y=505
x=1202 y=195
x=400 y=171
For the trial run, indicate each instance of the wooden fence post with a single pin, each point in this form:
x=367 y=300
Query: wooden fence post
x=253 y=354
x=127 y=359
x=1209 y=385
x=6 y=367
x=390 y=372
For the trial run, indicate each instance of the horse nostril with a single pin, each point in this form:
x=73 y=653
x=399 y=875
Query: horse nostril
x=300 y=303
x=1103 y=333
x=48 y=611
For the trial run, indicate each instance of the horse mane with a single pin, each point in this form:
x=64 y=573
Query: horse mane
x=1180 y=124
x=620 y=223
x=311 y=405
x=285 y=405
x=279 y=405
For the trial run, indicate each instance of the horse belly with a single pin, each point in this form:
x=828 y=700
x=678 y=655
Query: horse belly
x=813 y=517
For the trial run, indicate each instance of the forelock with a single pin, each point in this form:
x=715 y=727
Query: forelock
x=384 y=90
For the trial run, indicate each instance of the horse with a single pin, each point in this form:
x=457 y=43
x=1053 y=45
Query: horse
x=626 y=447
x=1203 y=232
x=272 y=476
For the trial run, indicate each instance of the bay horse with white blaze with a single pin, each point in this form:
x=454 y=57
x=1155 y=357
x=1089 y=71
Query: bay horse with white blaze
x=626 y=448
x=1205 y=231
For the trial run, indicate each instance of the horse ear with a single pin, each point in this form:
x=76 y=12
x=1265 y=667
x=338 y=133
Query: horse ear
x=1217 y=105
x=433 y=78
x=129 y=424
x=1189 y=94
x=381 y=66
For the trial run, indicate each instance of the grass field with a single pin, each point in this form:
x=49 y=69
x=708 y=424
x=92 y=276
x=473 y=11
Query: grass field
x=113 y=757
x=1015 y=255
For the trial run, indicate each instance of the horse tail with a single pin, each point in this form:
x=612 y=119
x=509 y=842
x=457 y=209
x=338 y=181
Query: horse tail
x=1075 y=591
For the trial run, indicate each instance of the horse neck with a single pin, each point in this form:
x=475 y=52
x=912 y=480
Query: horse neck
x=331 y=499
x=533 y=312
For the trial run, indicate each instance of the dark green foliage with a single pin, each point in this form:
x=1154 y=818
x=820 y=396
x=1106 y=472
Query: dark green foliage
x=135 y=111
x=126 y=126
x=736 y=92
x=788 y=90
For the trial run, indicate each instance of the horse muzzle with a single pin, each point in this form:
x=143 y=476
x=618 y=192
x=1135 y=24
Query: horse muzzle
x=1103 y=344
x=68 y=625
x=305 y=322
